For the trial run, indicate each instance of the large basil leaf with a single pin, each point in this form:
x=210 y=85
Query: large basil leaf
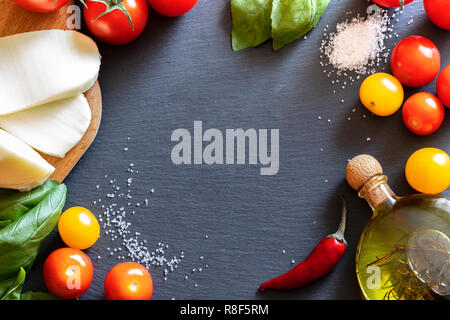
x=14 y=204
x=290 y=19
x=255 y=21
x=5 y=285
x=15 y=290
x=321 y=6
x=4 y=223
x=21 y=240
x=251 y=23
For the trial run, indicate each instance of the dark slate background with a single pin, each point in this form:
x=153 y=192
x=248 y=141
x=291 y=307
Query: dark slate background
x=183 y=69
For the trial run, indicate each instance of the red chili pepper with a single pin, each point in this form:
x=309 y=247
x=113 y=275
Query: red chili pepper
x=319 y=262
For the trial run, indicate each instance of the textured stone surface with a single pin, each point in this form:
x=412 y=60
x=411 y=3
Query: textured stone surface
x=181 y=70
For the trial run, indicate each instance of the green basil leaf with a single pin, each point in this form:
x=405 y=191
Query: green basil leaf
x=5 y=285
x=251 y=23
x=15 y=290
x=37 y=295
x=321 y=6
x=290 y=19
x=4 y=223
x=21 y=240
x=13 y=204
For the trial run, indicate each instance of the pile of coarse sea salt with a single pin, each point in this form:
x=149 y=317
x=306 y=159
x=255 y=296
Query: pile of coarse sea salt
x=357 y=47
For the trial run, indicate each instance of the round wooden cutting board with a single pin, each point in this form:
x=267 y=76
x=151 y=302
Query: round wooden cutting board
x=14 y=19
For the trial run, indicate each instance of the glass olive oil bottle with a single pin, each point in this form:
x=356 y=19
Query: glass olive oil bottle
x=404 y=251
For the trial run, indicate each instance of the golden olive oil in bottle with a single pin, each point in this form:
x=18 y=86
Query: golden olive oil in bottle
x=404 y=251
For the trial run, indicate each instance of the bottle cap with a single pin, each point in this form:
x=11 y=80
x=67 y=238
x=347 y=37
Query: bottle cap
x=361 y=169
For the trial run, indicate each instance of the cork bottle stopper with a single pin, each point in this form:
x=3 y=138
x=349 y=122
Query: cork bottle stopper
x=361 y=169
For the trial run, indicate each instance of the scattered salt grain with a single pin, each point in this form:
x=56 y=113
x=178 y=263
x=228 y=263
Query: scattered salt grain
x=127 y=243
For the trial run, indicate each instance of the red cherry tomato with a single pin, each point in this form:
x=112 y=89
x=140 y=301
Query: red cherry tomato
x=114 y=27
x=68 y=273
x=172 y=8
x=415 y=61
x=392 y=3
x=438 y=11
x=41 y=5
x=443 y=86
x=128 y=281
x=423 y=113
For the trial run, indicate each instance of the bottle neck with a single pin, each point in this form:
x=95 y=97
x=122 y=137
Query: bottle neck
x=378 y=193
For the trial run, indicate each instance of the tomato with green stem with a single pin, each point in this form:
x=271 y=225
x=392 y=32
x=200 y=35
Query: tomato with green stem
x=423 y=113
x=128 y=281
x=443 y=86
x=116 y=22
x=392 y=3
x=68 y=273
x=172 y=8
x=415 y=61
x=428 y=170
x=41 y=5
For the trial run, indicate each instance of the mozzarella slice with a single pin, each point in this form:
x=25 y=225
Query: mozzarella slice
x=44 y=66
x=21 y=167
x=53 y=128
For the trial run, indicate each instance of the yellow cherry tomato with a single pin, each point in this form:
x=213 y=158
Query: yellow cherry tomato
x=78 y=228
x=428 y=170
x=382 y=94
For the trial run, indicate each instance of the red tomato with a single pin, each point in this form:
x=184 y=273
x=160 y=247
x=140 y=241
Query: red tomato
x=68 y=273
x=415 y=61
x=114 y=27
x=41 y=5
x=128 y=281
x=172 y=8
x=443 y=86
x=392 y=3
x=423 y=113
x=438 y=11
